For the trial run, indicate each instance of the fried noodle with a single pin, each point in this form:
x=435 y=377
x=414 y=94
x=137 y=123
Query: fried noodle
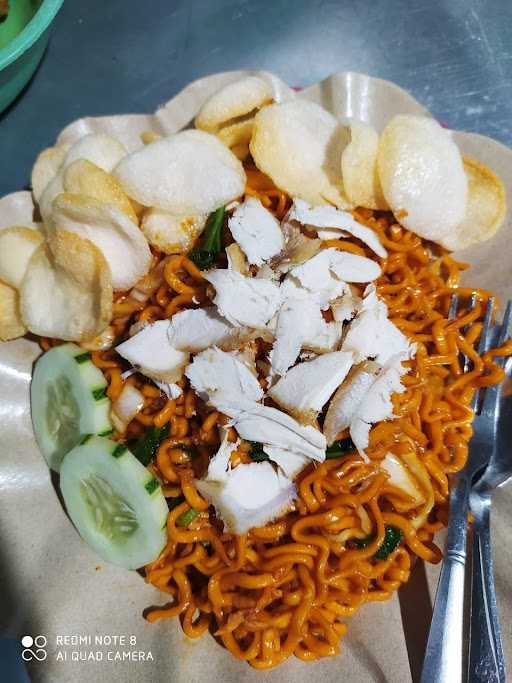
x=289 y=587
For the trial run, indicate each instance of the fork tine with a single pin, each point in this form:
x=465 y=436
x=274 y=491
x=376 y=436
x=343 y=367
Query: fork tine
x=472 y=304
x=505 y=324
x=490 y=395
x=485 y=336
x=483 y=344
x=452 y=311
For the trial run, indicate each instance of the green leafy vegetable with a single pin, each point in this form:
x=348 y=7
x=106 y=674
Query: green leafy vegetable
x=257 y=453
x=187 y=517
x=146 y=447
x=392 y=539
x=205 y=255
x=340 y=448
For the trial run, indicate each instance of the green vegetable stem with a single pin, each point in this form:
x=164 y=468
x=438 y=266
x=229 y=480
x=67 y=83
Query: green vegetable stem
x=146 y=447
x=186 y=518
x=205 y=255
x=392 y=539
x=340 y=448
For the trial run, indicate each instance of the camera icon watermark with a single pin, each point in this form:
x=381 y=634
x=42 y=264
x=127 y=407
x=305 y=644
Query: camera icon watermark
x=34 y=648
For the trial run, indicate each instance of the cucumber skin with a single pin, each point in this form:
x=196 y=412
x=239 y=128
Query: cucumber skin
x=103 y=456
x=89 y=376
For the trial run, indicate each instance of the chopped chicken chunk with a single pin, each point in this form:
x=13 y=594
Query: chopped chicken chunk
x=154 y=355
x=376 y=404
x=297 y=321
x=196 y=329
x=251 y=496
x=289 y=462
x=359 y=433
x=326 y=338
x=256 y=422
x=400 y=477
x=327 y=273
x=214 y=371
x=332 y=223
x=365 y=398
x=171 y=390
x=315 y=277
x=247 y=355
x=244 y=301
x=300 y=324
x=346 y=306
x=345 y=402
x=297 y=248
x=218 y=467
x=372 y=335
x=257 y=231
x=305 y=389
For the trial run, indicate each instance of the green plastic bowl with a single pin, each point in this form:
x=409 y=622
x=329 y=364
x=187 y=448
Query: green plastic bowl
x=23 y=38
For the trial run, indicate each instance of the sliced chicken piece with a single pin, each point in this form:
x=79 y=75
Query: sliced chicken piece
x=289 y=462
x=170 y=390
x=353 y=268
x=257 y=231
x=327 y=273
x=423 y=479
x=376 y=404
x=327 y=338
x=219 y=465
x=346 y=306
x=305 y=389
x=246 y=354
x=151 y=351
x=331 y=223
x=347 y=399
x=315 y=277
x=297 y=248
x=300 y=324
x=266 y=273
x=199 y=328
x=244 y=301
x=360 y=433
x=372 y=335
x=214 y=371
x=400 y=477
x=297 y=321
x=138 y=327
x=363 y=400
x=256 y=422
x=250 y=496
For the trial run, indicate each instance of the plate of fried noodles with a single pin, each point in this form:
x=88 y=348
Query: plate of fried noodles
x=233 y=392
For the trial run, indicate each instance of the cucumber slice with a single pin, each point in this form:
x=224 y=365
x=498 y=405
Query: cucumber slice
x=115 y=503
x=68 y=401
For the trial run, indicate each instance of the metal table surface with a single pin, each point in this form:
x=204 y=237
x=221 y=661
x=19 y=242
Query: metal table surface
x=109 y=56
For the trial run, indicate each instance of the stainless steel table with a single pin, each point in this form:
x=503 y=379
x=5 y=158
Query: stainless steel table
x=109 y=56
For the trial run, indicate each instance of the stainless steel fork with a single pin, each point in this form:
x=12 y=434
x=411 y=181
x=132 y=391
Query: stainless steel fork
x=444 y=653
x=486 y=662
